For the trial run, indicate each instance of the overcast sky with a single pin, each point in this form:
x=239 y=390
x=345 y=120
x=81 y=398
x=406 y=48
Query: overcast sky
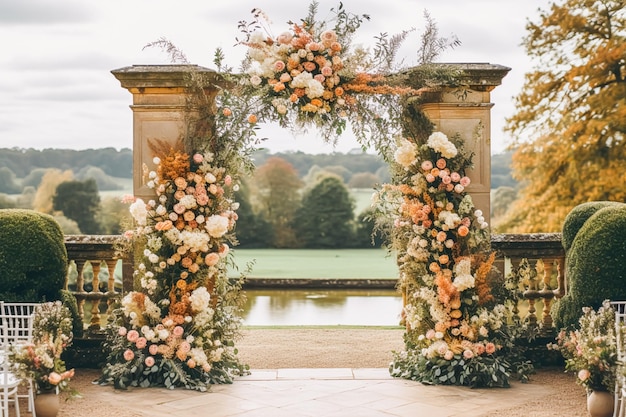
x=56 y=89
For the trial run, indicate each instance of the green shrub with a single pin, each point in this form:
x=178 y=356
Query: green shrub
x=69 y=301
x=33 y=258
x=578 y=216
x=595 y=265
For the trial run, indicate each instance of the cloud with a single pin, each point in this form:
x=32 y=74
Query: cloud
x=42 y=12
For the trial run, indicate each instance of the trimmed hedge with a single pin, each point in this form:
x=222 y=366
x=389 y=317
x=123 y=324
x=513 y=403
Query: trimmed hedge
x=595 y=264
x=33 y=258
x=578 y=216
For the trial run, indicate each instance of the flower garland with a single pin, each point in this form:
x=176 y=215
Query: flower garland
x=456 y=328
x=309 y=75
x=171 y=331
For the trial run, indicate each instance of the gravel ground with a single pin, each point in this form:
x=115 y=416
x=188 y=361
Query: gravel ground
x=338 y=348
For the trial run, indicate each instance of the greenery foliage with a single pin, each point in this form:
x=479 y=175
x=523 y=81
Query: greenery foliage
x=33 y=258
x=594 y=265
x=79 y=201
x=576 y=218
x=325 y=218
x=570 y=114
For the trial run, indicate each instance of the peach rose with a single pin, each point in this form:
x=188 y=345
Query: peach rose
x=129 y=355
x=54 y=378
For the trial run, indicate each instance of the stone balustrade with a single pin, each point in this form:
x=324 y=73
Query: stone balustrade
x=98 y=275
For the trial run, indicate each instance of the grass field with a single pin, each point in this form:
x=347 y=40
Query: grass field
x=317 y=263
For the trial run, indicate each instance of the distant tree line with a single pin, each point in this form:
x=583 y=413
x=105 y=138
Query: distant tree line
x=292 y=200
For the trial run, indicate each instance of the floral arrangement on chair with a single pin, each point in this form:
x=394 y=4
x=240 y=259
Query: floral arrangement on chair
x=40 y=361
x=178 y=329
x=591 y=350
x=456 y=328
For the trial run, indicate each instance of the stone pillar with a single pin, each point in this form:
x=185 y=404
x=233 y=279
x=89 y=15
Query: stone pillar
x=466 y=110
x=159 y=111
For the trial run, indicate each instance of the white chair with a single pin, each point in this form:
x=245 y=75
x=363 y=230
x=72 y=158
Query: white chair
x=9 y=383
x=19 y=331
x=620 y=379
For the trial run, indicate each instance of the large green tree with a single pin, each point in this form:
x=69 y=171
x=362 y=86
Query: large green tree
x=571 y=114
x=277 y=188
x=79 y=201
x=326 y=217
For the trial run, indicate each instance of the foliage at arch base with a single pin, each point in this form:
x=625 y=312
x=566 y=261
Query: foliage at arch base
x=178 y=328
x=461 y=326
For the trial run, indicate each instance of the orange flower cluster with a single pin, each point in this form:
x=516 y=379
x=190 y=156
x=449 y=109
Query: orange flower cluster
x=482 y=286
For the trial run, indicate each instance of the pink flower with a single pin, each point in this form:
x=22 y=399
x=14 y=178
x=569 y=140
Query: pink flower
x=132 y=336
x=198 y=158
x=179 y=208
x=141 y=343
x=178 y=331
x=228 y=180
x=427 y=165
x=490 y=348
x=468 y=354
x=449 y=355
x=149 y=361
x=211 y=259
x=314 y=46
x=284 y=38
x=129 y=355
x=122 y=331
x=441 y=163
x=327 y=71
x=455 y=177
x=184 y=346
x=279 y=66
x=430 y=177
x=465 y=181
x=584 y=375
x=54 y=378
x=153 y=349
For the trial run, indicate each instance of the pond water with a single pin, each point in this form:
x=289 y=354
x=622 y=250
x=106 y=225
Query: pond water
x=322 y=308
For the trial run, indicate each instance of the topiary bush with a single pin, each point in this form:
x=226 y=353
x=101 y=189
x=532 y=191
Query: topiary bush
x=595 y=264
x=578 y=216
x=33 y=258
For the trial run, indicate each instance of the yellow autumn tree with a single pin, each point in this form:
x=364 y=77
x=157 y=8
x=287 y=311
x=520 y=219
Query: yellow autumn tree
x=570 y=122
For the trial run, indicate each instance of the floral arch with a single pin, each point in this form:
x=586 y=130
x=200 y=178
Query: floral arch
x=194 y=130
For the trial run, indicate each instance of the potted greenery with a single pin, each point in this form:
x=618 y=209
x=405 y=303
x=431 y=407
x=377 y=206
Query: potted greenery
x=591 y=352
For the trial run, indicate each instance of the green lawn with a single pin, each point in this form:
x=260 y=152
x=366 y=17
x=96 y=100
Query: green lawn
x=317 y=263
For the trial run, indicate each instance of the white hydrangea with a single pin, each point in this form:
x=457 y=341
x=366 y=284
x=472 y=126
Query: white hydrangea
x=450 y=219
x=216 y=225
x=189 y=201
x=439 y=143
x=195 y=240
x=406 y=154
x=139 y=211
x=199 y=299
